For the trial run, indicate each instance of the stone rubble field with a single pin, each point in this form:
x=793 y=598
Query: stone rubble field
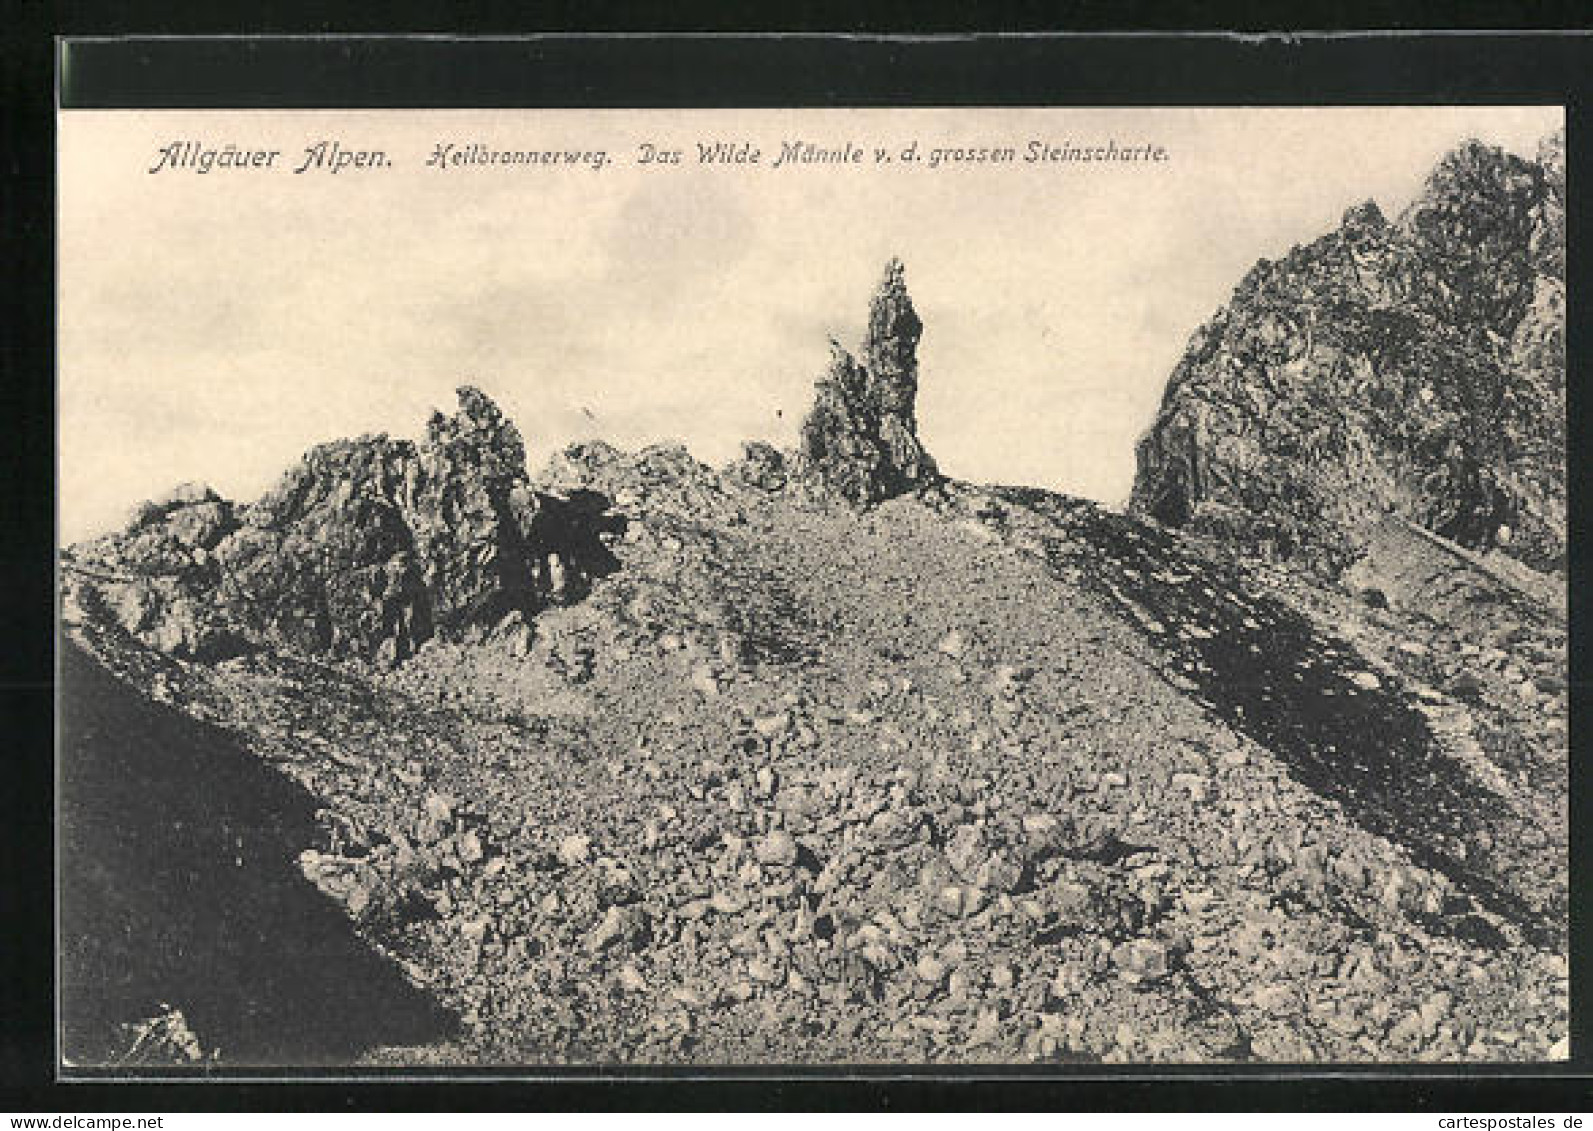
x=931 y=784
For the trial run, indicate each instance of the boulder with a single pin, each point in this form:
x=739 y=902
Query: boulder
x=761 y=465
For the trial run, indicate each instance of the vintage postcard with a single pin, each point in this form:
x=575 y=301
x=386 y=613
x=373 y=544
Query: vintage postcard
x=548 y=588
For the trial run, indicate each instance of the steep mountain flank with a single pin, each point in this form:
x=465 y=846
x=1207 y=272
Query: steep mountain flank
x=1413 y=369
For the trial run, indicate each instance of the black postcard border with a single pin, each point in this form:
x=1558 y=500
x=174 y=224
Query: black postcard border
x=807 y=69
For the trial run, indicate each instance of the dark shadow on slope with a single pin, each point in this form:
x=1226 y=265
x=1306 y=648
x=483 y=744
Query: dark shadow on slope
x=573 y=529
x=764 y=610
x=178 y=884
x=1267 y=673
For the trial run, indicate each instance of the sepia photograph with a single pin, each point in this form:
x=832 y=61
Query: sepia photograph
x=685 y=588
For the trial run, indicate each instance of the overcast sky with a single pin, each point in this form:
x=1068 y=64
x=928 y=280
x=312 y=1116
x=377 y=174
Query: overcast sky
x=213 y=327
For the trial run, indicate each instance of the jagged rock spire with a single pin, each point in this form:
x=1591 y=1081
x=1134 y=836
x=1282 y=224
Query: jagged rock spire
x=861 y=437
x=891 y=349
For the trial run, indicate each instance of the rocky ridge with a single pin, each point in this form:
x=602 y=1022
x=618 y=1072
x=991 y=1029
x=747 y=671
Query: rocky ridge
x=1412 y=369
x=366 y=549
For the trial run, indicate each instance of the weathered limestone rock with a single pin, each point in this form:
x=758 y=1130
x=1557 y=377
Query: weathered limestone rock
x=861 y=437
x=365 y=549
x=1413 y=369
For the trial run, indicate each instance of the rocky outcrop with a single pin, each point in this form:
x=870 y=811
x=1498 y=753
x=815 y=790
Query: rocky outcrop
x=366 y=549
x=1413 y=369
x=860 y=440
x=761 y=465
